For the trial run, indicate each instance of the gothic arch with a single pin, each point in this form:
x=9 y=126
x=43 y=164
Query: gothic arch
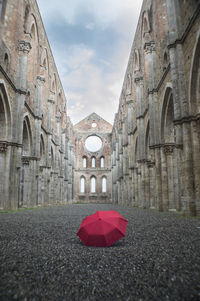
x=84 y=161
x=146 y=26
x=93 y=184
x=102 y=162
x=147 y=142
x=136 y=60
x=44 y=62
x=42 y=150
x=54 y=84
x=93 y=162
x=33 y=62
x=52 y=158
x=104 y=184
x=136 y=149
x=167 y=118
x=82 y=184
x=27 y=137
x=5 y=113
x=31 y=27
x=165 y=60
x=195 y=79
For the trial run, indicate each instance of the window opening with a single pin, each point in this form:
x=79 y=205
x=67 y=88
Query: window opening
x=93 y=184
x=104 y=188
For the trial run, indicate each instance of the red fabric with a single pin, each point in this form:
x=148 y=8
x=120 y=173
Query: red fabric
x=102 y=228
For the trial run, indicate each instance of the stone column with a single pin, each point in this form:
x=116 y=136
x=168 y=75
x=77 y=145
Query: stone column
x=188 y=200
x=158 y=177
x=24 y=49
x=195 y=129
x=150 y=57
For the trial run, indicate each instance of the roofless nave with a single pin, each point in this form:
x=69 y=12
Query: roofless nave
x=150 y=157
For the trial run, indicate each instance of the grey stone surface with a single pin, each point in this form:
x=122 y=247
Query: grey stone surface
x=41 y=258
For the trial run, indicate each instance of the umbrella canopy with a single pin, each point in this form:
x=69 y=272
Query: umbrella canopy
x=102 y=228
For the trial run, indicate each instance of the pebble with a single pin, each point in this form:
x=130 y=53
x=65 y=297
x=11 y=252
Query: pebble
x=42 y=258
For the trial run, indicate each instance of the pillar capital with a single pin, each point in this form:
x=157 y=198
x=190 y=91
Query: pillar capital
x=3 y=147
x=24 y=46
x=168 y=149
x=139 y=80
x=51 y=101
x=149 y=47
x=40 y=79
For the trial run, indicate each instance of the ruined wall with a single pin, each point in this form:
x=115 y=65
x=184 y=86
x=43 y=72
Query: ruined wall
x=93 y=165
x=35 y=145
x=156 y=132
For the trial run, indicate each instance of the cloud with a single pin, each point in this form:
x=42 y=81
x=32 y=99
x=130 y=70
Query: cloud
x=91 y=42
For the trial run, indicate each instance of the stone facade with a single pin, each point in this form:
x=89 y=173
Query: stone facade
x=156 y=132
x=36 y=136
x=93 y=168
x=150 y=157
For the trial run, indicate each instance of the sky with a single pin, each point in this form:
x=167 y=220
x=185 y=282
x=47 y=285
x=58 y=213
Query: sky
x=91 y=42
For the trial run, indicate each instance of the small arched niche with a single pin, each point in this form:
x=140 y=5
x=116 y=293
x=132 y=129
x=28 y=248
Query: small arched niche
x=82 y=184
x=93 y=184
x=104 y=184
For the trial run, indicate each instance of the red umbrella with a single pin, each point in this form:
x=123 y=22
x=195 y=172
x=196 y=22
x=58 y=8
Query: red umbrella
x=102 y=228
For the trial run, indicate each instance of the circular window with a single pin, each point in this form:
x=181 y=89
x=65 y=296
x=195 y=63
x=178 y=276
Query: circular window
x=94 y=125
x=93 y=143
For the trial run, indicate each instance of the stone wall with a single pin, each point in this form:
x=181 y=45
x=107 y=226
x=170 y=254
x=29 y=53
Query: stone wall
x=156 y=132
x=93 y=165
x=36 y=136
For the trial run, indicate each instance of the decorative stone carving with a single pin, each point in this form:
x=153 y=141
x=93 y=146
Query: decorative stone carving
x=168 y=149
x=150 y=164
x=149 y=47
x=25 y=160
x=51 y=101
x=3 y=147
x=139 y=80
x=24 y=46
x=40 y=79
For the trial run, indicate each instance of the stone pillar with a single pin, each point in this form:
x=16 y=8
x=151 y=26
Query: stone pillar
x=24 y=48
x=195 y=129
x=17 y=125
x=168 y=149
x=187 y=160
x=158 y=177
x=151 y=172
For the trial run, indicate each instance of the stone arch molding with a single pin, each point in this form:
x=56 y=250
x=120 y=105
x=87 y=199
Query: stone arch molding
x=194 y=90
x=44 y=60
x=29 y=23
x=5 y=113
x=146 y=26
x=167 y=116
x=27 y=137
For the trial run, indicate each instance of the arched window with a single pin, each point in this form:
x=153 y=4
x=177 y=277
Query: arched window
x=82 y=184
x=84 y=162
x=42 y=150
x=93 y=162
x=33 y=35
x=6 y=62
x=26 y=137
x=93 y=184
x=102 y=162
x=103 y=184
x=136 y=60
x=52 y=158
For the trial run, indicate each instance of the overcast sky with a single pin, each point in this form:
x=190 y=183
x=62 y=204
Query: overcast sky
x=91 y=42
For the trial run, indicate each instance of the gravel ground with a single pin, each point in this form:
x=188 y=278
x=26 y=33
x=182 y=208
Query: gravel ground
x=41 y=258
